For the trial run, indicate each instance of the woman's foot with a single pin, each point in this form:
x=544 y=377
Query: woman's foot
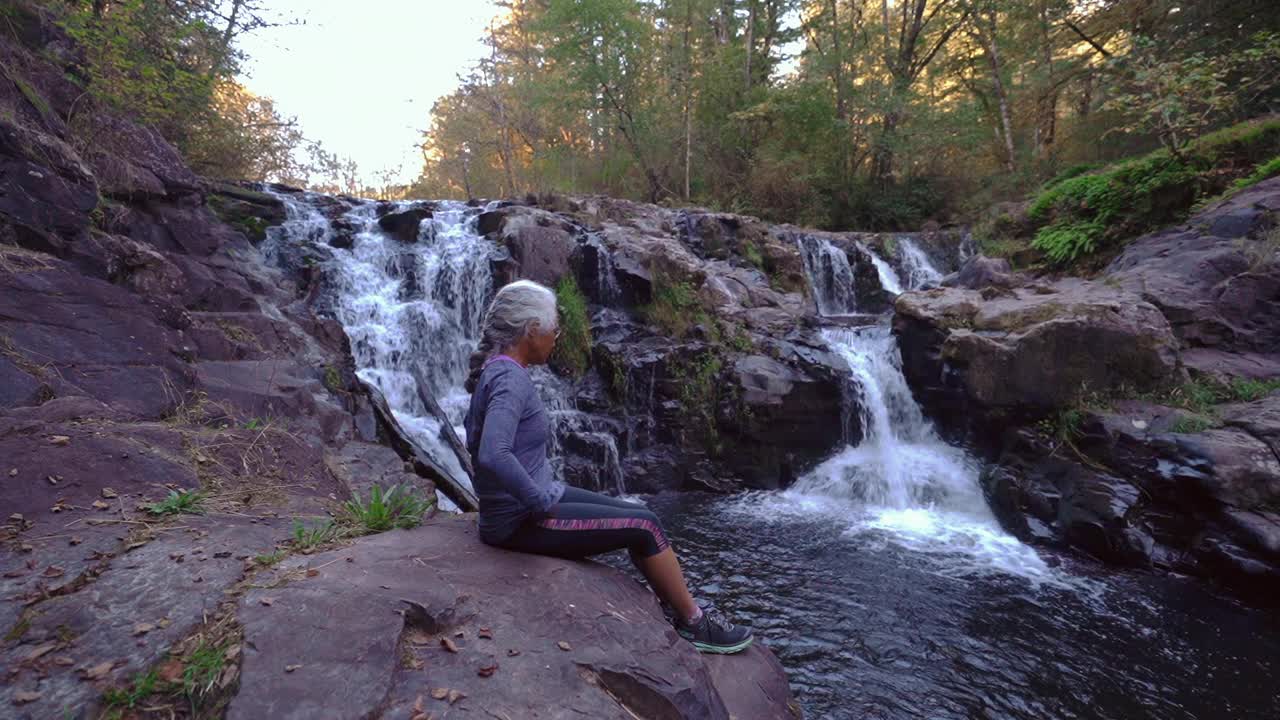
x=712 y=632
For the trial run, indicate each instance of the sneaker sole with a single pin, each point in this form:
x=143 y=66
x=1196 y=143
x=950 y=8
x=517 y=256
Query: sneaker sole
x=723 y=649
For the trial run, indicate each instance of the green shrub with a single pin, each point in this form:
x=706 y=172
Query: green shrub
x=751 y=253
x=179 y=501
x=1190 y=424
x=1266 y=170
x=573 y=349
x=400 y=507
x=1243 y=390
x=1081 y=214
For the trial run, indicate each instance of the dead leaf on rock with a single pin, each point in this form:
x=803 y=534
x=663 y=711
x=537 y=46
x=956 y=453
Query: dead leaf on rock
x=440 y=693
x=564 y=645
x=22 y=697
x=59 y=440
x=54 y=571
x=13 y=472
x=291 y=668
x=17 y=517
x=143 y=628
x=98 y=670
x=417 y=705
x=75 y=540
x=455 y=696
x=108 y=493
x=232 y=653
x=420 y=716
x=63 y=661
x=101 y=505
x=52 y=480
x=312 y=572
x=41 y=650
x=163 y=622
x=512 y=652
x=267 y=601
x=487 y=670
x=485 y=633
x=449 y=645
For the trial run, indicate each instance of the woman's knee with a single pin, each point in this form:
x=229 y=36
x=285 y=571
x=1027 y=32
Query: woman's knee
x=655 y=535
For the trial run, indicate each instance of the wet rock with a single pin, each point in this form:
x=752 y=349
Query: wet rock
x=981 y=272
x=405 y=224
x=623 y=660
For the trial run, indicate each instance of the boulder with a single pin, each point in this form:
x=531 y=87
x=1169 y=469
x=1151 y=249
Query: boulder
x=981 y=272
x=1031 y=350
x=396 y=616
x=404 y=225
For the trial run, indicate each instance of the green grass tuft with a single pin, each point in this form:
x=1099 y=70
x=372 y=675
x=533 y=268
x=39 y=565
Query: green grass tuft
x=203 y=668
x=399 y=507
x=675 y=307
x=179 y=501
x=1190 y=424
x=305 y=538
x=573 y=349
x=129 y=697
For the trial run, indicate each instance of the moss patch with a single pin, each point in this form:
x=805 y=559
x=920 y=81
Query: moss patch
x=675 y=307
x=573 y=349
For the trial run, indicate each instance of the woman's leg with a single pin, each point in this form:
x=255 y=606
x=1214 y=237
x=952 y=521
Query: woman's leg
x=582 y=529
x=578 y=495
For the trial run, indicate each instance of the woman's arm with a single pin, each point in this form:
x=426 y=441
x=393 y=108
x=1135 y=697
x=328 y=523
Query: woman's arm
x=505 y=405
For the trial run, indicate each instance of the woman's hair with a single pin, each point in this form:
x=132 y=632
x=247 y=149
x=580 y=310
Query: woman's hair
x=515 y=309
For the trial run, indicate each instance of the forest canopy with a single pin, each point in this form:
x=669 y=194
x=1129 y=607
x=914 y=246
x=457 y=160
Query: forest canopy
x=874 y=114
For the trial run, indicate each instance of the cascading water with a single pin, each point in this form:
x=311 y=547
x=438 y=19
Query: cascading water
x=404 y=306
x=901 y=479
x=830 y=275
x=919 y=270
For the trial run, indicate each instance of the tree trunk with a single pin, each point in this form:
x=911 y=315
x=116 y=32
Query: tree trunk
x=988 y=36
x=751 y=26
x=1047 y=104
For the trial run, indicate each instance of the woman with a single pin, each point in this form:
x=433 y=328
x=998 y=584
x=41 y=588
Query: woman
x=522 y=507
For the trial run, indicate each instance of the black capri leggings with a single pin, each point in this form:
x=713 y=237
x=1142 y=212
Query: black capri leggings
x=585 y=523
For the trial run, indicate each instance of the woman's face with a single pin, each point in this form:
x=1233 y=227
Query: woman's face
x=542 y=343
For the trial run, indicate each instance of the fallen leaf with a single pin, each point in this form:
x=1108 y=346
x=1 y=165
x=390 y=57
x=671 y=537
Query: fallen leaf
x=459 y=634
x=449 y=645
x=417 y=705
x=440 y=693
x=163 y=622
x=98 y=670
x=59 y=440
x=63 y=661
x=109 y=493
x=291 y=668
x=22 y=697
x=351 y=559
x=13 y=472
x=485 y=633
x=14 y=573
x=267 y=601
x=41 y=650
x=17 y=517
x=564 y=645
x=54 y=571
x=101 y=505
x=52 y=480
x=455 y=696
x=171 y=671
x=143 y=628
x=420 y=716
x=312 y=572
x=75 y=540
x=232 y=653
x=512 y=652
x=487 y=670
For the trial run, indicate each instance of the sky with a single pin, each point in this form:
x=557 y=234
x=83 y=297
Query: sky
x=361 y=76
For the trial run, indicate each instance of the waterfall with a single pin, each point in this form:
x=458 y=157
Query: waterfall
x=900 y=480
x=888 y=278
x=915 y=263
x=404 y=306
x=830 y=276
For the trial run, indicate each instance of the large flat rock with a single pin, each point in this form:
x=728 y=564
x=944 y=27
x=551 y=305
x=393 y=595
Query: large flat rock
x=363 y=636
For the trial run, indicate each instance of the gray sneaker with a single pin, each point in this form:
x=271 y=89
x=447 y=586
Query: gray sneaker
x=713 y=633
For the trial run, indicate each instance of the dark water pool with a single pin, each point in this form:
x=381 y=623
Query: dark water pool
x=867 y=629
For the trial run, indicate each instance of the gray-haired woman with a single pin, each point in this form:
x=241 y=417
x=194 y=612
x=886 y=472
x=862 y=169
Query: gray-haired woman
x=522 y=507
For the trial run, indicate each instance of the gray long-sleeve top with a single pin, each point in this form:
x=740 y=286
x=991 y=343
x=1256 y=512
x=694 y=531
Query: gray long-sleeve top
x=507 y=433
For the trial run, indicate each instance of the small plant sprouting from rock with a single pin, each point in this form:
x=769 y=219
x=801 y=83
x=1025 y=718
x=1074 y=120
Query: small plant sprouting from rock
x=399 y=507
x=269 y=559
x=203 y=668
x=179 y=501
x=306 y=538
x=675 y=307
x=332 y=378
x=1189 y=424
x=129 y=697
x=573 y=349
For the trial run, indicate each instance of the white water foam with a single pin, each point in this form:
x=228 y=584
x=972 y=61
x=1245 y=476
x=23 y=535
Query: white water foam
x=915 y=262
